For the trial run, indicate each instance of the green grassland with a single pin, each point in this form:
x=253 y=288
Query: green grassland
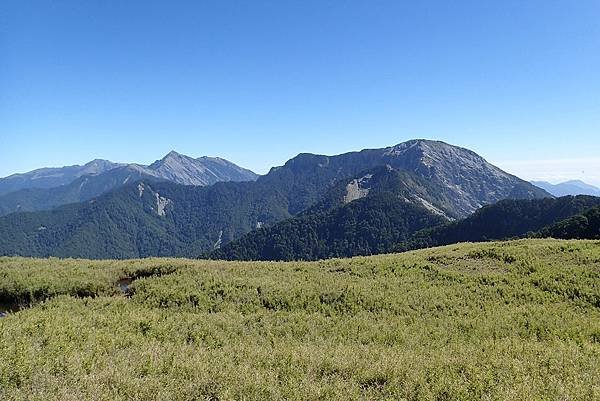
x=496 y=321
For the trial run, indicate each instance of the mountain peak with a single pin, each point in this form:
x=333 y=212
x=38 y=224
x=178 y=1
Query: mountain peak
x=572 y=187
x=427 y=145
x=422 y=141
x=49 y=177
x=98 y=161
x=204 y=170
x=170 y=159
x=427 y=155
x=173 y=155
x=580 y=184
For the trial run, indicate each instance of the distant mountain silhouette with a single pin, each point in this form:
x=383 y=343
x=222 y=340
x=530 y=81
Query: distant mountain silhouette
x=173 y=167
x=573 y=187
x=49 y=177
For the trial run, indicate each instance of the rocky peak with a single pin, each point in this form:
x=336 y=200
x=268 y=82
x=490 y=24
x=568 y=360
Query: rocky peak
x=439 y=158
x=431 y=150
x=204 y=170
x=98 y=166
x=173 y=155
x=171 y=158
x=467 y=178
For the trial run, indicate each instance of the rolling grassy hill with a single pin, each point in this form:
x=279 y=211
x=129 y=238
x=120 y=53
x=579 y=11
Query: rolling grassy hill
x=513 y=320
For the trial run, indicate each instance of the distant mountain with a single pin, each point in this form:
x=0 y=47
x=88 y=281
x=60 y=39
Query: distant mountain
x=50 y=177
x=505 y=219
x=160 y=218
x=468 y=179
x=573 y=187
x=173 y=167
x=387 y=213
x=363 y=215
x=202 y=171
x=144 y=218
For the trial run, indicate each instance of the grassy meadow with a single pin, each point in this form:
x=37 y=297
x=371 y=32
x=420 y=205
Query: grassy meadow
x=496 y=321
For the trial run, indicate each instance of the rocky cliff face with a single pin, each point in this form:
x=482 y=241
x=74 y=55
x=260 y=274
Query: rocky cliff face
x=467 y=178
x=186 y=170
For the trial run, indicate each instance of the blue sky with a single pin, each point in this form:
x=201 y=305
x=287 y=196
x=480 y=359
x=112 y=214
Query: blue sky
x=258 y=82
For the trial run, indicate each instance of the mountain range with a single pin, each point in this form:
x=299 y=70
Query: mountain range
x=51 y=187
x=573 y=187
x=50 y=177
x=382 y=197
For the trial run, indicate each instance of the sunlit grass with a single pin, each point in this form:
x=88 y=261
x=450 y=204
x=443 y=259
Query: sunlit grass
x=511 y=321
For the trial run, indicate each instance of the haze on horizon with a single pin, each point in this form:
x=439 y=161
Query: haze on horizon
x=257 y=83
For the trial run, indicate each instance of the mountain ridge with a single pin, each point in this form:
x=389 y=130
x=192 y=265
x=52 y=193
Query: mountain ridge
x=571 y=187
x=193 y=220
x=173 y=167
x=360 y=215
x=484 y=182
x=49 y=177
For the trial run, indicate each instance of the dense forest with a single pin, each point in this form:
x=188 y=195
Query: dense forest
x=382 y=223
x=581 y=226
x=129 y=223
x=507 y=219
x=365 y=226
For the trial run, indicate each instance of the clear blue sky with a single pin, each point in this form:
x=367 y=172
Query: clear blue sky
x=257 y=82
